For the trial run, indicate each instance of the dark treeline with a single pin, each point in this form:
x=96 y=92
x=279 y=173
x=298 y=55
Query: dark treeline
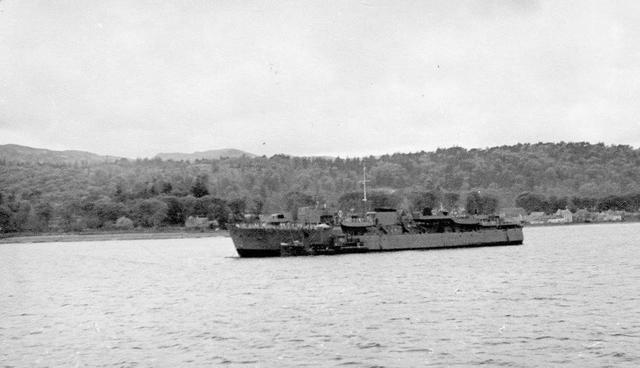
x=537 y=202
x=152 y=192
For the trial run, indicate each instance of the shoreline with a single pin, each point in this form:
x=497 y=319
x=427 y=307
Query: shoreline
x=150 y=235
x=108 y=236
x=581 y=223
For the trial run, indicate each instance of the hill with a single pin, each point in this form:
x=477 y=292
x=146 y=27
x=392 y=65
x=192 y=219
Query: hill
x=204 y=155
x=24 y=154
x=41 y=194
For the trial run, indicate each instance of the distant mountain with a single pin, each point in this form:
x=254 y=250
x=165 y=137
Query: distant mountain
x=210 y=154
x=17 y=153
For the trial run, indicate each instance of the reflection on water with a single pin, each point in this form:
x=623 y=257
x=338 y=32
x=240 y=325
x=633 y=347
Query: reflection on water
x=570 y=296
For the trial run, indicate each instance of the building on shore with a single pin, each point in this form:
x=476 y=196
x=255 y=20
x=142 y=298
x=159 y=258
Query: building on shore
x=536 y=218
x=579 y=216
x=513 y=214
x=610 y=216
x=582 y=215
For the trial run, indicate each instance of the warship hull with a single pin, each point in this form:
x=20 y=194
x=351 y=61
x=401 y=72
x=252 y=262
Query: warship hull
x=275 y=242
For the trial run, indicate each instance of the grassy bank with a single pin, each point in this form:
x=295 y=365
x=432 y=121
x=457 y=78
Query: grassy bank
x=101 y=236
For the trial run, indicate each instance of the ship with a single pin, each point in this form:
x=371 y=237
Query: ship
x=380 y=230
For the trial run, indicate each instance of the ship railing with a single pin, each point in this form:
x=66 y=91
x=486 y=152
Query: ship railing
x=285 y=226
x=357 y=220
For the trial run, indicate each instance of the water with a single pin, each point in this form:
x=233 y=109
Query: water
x=570 y=296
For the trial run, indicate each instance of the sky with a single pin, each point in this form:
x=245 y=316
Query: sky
x=340 y=78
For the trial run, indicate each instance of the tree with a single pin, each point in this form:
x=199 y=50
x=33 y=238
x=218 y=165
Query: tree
x=351 y=202
x=613 y=202
x=71 y=215
x=489 y=204
x=531 y=202
x=474 y=203
x=421 y=200
x=108 y=211
x=43 y=213
x=258 y=205
x=238 y=207
x=295 y=200
x=150 y=212
x=119 y=194
x=478 y=204
x=389 y=174
x=199 y=188
x=124 y=223
x=382 y=199
x=21 y=216
x=176 y=213
x=450 y=200
x=213 y=208
x=166 y=187
x=6 y=219
x=584 y=203
x=189 y=204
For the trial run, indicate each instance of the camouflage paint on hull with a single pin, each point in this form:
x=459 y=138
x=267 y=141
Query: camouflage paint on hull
x=268 y=242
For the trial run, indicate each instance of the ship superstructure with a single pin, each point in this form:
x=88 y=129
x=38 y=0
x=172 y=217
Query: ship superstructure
x=380 y=230
x=383 y=229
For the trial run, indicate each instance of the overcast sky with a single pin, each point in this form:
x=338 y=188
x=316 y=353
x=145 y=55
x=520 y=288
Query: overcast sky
x=134 y=78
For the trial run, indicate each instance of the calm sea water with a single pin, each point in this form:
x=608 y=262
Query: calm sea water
x=570 y=296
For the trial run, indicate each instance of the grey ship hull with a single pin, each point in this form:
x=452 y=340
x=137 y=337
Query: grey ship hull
x=274 y=242
x=267 y=241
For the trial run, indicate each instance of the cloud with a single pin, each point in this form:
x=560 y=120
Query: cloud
x=319 y=77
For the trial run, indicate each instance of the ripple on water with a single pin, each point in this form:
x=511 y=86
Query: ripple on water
x=561 y=299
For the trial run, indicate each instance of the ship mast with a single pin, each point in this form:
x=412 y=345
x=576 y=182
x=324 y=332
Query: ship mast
x=364 y=187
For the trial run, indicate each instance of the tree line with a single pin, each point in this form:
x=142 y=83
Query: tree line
x=535 y=202
x=155 y=193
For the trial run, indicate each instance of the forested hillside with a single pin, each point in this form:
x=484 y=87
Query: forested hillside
x=45 y=196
